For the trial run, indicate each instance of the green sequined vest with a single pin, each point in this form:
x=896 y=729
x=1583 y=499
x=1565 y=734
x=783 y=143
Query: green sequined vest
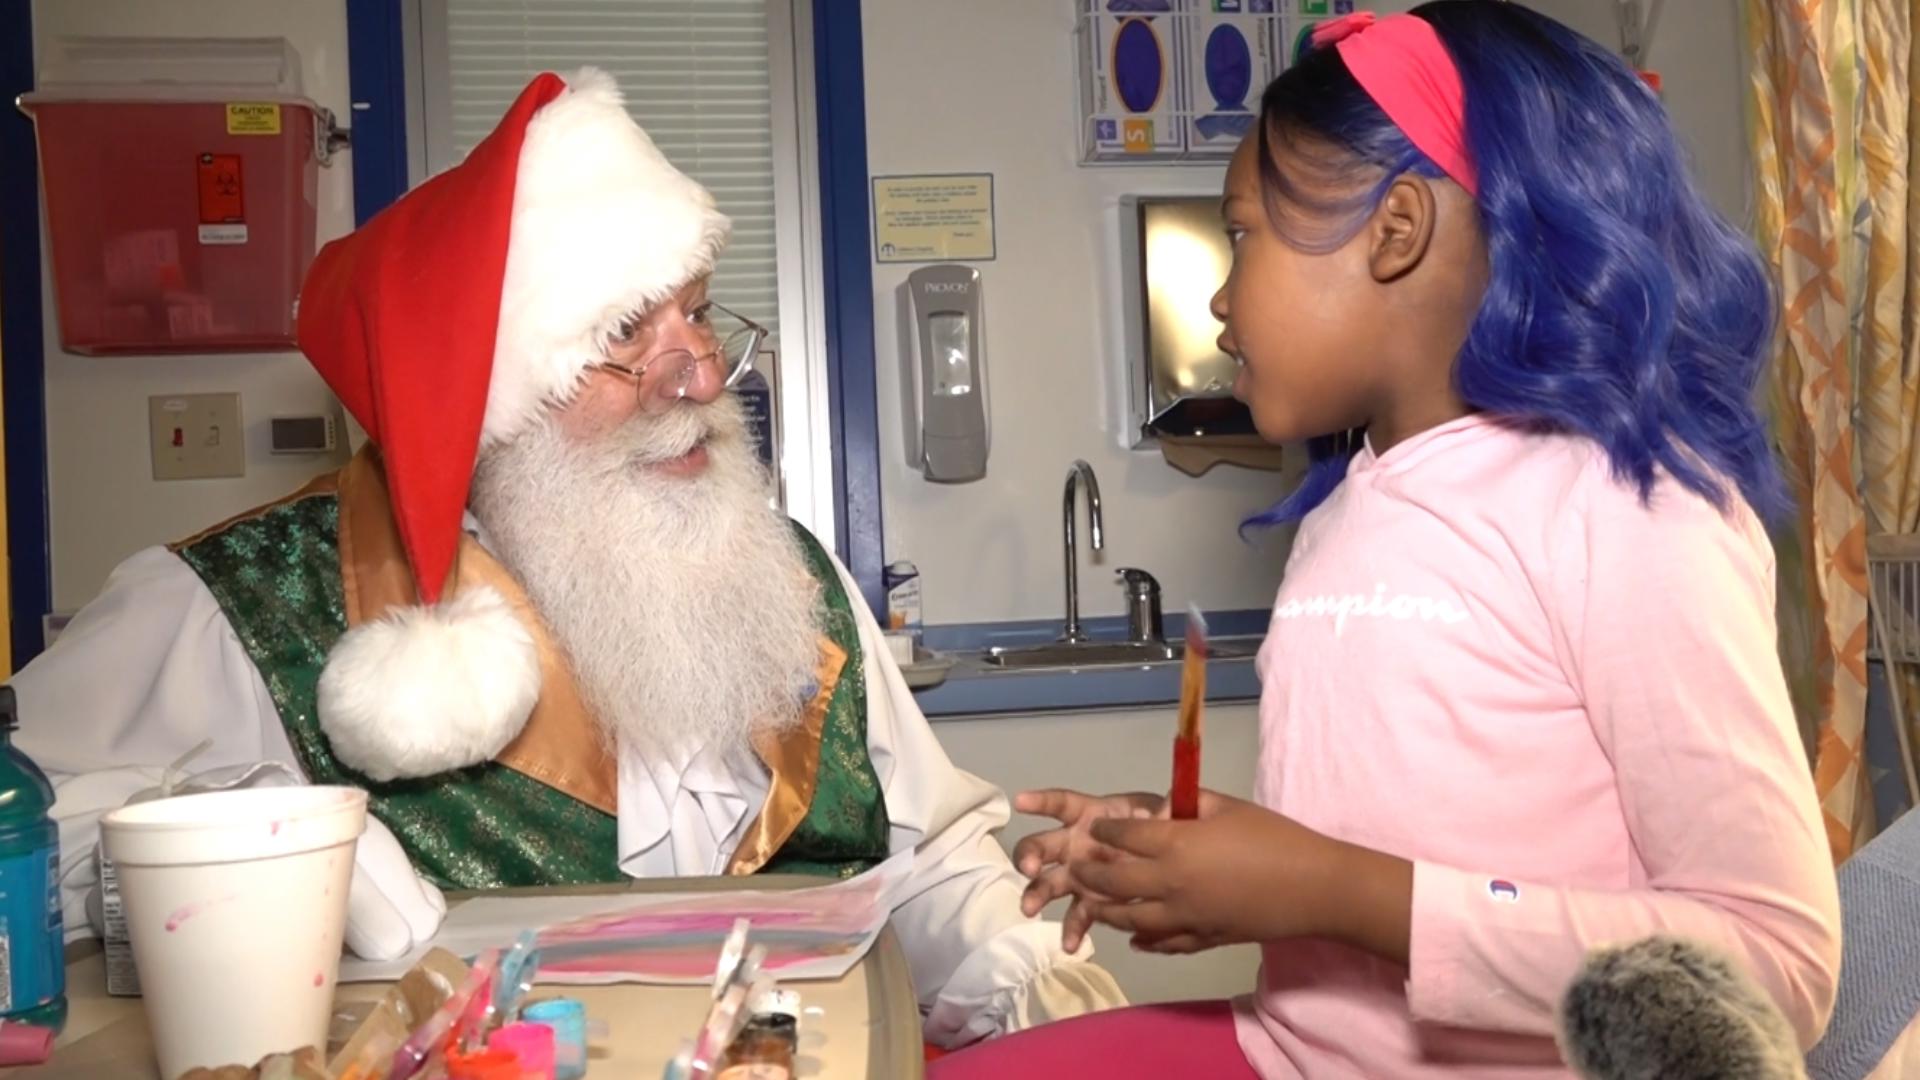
x=276 y=576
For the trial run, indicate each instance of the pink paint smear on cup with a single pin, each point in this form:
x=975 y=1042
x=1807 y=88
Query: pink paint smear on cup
x=187 y=911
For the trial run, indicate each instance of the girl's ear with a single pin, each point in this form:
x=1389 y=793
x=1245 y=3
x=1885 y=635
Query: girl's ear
x=1401 y=231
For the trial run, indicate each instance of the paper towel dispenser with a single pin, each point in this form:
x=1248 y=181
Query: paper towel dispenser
x=1175 y=256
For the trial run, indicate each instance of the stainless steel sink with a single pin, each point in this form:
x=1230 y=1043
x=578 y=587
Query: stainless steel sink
x=1081 y=654
x=1069 y=654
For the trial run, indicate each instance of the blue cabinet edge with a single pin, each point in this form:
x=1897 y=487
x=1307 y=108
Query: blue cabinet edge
x=975 y=693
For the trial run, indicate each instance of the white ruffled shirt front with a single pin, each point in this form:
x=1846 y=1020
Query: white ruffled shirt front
x=153 y=667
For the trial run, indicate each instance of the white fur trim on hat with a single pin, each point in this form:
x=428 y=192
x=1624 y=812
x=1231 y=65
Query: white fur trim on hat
x=603 y=226
x=422 y=690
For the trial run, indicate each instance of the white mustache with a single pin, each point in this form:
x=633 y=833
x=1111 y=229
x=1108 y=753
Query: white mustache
x=645 y=580
x=652 y=440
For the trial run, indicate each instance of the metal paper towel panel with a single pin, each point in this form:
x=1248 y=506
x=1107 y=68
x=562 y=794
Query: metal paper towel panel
x=1174 y=257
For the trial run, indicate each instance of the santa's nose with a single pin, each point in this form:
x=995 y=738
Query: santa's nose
x=705 y=381
x=708 y=382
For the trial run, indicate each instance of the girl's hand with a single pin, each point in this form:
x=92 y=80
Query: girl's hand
x=1047 y=857
x=1242 y=873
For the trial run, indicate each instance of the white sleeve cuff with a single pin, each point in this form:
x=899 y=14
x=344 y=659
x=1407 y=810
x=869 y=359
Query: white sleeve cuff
x=1017 y=979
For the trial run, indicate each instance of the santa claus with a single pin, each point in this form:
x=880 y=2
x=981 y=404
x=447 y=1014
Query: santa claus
x=547 y=618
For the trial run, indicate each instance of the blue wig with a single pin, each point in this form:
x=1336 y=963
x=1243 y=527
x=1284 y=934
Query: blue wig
x=1619 y=306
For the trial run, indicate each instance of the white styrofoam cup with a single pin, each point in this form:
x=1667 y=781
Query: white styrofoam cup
x=236 y=903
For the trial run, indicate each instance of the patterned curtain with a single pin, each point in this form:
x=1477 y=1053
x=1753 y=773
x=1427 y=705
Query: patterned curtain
x=1814 y=222
x=1889 y=408
x=1889 y=413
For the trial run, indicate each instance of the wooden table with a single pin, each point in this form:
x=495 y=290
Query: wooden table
x=866 y=1024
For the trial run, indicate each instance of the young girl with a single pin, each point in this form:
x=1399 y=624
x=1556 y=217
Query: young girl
x=1520 y=694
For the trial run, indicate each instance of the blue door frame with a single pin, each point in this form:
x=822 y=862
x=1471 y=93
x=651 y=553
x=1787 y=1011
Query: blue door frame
x=30 y=577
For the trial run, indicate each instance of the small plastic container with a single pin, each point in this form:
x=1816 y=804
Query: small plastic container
x=181 y=179
x=531 y=1044
x=25 y=1044
x=905 y=613
x=489 y=1064
x=764 y=1050
x=568 y=1019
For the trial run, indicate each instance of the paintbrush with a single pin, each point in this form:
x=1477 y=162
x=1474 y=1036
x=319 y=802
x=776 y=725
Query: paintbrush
x=729 y=1012
x=1185 y=797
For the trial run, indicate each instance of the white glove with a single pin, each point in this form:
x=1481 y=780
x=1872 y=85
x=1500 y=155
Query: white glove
x=390 y=909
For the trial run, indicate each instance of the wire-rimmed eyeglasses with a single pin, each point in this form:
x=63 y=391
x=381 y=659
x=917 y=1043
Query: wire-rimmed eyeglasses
x=663 y=379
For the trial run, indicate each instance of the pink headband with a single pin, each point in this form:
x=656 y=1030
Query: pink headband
x=1401 y=64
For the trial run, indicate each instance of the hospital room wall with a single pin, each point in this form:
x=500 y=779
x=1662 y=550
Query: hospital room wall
x=987 y=551
x=103 y=502
x=990 y=550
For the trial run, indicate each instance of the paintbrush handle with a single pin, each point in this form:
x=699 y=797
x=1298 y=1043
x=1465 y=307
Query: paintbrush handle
x=1188 y=718
x=1193 y=688
x=1185 y=795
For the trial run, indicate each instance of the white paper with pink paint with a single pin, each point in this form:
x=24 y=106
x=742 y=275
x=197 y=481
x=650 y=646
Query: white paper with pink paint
x=669 y=938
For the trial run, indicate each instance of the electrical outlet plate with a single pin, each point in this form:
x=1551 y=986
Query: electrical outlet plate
x=197 y=436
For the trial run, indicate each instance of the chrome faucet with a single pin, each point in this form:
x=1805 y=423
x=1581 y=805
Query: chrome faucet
x=1144 y=624
x=1081 y=471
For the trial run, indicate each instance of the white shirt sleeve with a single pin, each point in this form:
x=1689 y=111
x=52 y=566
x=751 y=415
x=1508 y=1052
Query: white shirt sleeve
x=982 y=968
x=142 y=675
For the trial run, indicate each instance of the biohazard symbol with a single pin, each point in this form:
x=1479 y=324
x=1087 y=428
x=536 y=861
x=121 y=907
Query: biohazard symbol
x=222 y=198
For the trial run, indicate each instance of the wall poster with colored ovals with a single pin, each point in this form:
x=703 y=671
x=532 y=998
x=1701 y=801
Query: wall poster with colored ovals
x=1180 y=80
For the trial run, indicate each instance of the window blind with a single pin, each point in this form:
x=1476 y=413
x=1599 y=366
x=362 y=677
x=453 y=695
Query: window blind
x=695 y=77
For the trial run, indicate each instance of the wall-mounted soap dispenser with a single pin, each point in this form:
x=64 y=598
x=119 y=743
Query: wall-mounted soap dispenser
x=1174 y=257
x=944 y=376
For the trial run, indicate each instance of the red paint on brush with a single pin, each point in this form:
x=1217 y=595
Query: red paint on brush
x=1186 y=779
x=1185 y=794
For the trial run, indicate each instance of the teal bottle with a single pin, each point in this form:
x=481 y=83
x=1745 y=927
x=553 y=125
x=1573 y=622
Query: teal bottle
x=33 y=970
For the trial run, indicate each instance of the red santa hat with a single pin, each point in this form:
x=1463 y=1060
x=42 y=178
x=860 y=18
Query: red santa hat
x=449 y=323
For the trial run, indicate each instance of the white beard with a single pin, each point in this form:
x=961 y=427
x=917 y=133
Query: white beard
x=684 y=605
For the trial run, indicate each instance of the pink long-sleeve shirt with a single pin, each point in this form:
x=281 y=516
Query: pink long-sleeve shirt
x=1566 y=708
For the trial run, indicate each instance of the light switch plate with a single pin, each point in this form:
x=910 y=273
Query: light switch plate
x=197 y=436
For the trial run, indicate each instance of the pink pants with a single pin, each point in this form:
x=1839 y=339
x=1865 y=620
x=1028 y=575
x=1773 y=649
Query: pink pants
x=1151 y=1042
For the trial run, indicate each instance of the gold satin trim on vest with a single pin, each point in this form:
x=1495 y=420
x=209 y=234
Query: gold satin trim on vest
x=373 y=568
x=793 y=768
x=561 y=745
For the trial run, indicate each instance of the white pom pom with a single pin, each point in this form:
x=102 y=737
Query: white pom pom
x=423 y=690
